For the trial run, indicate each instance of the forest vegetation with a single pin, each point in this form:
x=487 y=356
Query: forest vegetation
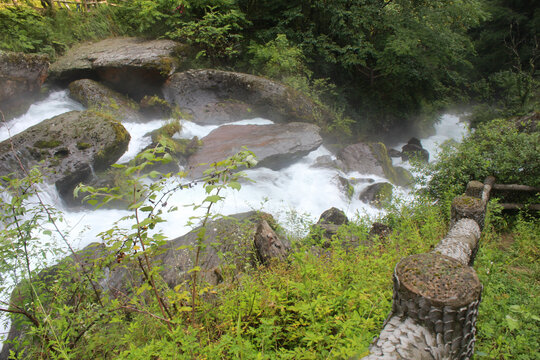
x=382 y=67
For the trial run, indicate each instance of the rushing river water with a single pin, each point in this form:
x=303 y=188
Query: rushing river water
x=299 y=189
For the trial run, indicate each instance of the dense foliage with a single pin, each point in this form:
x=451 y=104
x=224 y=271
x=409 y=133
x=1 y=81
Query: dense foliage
x=506 y=149
x=392 y=61
x=378 y=65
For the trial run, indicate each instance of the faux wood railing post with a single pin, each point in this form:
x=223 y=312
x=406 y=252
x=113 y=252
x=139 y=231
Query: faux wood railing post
x=468 y=207
x=434 y=310
x=436 y=295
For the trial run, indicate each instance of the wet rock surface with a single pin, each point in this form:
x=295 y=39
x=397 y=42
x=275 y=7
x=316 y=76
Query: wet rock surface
x=377 y=194
x=274 y=145
x=414 y=148
x=66 y=147
x=217 y=97
x=21 y=77
x=130 y=65
x=99 y=97
x=368 y=158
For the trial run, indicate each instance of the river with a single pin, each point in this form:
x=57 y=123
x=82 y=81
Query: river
x=295 y=195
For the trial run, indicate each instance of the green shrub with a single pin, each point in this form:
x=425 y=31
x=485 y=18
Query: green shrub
x=278 y=59
x=26 y=30
x=217 y=35
x=496 y=148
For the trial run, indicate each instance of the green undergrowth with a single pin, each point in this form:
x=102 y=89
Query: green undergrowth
x=326 y=302
x=322 y=304
x=508 y=265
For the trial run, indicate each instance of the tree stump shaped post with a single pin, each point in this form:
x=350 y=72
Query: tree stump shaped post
x=442 y=295
x=468 y=207
x=475 y=189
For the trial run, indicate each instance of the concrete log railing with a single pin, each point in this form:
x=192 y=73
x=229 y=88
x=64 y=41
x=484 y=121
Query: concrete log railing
x=436 y=295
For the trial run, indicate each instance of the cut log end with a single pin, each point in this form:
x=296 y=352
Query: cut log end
x=468 y=207
x=439 y=279
x=475 y=189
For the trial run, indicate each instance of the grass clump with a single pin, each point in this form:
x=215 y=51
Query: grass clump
x=508 y=266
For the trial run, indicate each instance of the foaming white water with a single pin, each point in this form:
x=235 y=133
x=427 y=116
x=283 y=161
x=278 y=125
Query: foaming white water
x=299 y=188
x=190 y=129
x=449 y=127
x=140 y=137
x=58 y=102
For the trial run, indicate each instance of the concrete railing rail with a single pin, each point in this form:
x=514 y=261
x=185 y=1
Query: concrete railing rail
x=436 y=294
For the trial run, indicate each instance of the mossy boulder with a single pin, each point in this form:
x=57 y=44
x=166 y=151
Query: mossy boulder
x=134 y=66
x=55 y=145
x=215 y=97
x=369 y=158
x=159 y=108
x=378 y=194
x=403 y=176
x=96 y=96
x=21 y=77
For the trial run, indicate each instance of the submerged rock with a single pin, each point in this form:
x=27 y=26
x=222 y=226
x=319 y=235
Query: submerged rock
x=275 y=145
x=66 y=147
x=216 y=97
x=131 y=65
x=21 y=77
x=344 y=186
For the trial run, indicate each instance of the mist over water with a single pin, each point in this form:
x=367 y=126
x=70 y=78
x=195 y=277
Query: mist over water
x=448 y=128
x=299 y=189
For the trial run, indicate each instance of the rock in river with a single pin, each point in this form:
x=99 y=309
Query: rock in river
x=216 y=97
x=69 y=146
x=130 y=65
x=275 y=145
x=98 y=97
x=21 y=77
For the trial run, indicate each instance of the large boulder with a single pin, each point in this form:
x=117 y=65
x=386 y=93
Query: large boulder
x=369 y=158
x=21 y=77
x=130 y=65
x=99 y=97
x=67 y=147
x=275 y=145
x=216 y=97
